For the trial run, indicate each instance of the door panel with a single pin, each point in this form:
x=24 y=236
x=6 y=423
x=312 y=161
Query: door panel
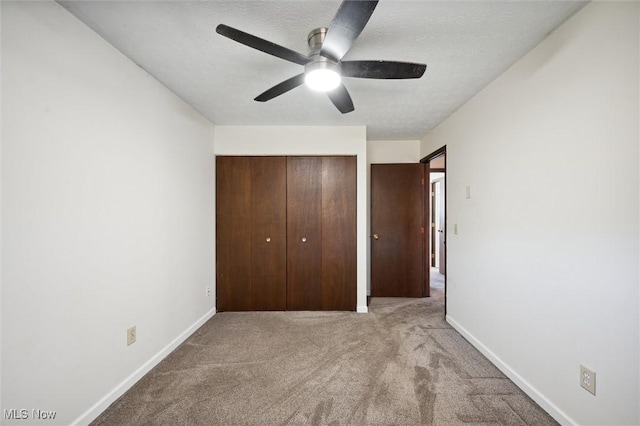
x=233 y=233
x=397 y=254
x=268 y=233
x=339 y=233
x=304 y=223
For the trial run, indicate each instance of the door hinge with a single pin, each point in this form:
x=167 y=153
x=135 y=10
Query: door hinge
x=433 y=194
x=433 y=224
x=422 y=229
x=433 y=255
x=422 y=181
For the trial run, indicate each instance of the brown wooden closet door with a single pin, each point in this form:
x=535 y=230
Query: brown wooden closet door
x=268 y=233
x=339 y=233
x=304 y=244
x=397 y=251
x=233 y=233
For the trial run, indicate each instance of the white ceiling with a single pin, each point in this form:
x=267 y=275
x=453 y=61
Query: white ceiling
x=465 y=44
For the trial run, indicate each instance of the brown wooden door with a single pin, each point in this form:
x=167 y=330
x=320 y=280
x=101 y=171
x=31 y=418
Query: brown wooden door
x=339 y=233
x=304 y=233
x=233 y=233
x=397 y=245
x=268 y=233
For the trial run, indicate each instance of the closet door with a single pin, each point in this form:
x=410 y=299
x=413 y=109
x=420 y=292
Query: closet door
x=268 y=233
x=233 y=233
x=304 y=233
x=339 y=233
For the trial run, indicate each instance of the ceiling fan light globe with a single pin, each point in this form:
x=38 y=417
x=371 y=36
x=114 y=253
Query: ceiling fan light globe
x=322 y=80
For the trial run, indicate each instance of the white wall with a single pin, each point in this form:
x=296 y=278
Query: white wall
x=543 y=275
x=107 y=216
x=294 y=140
x=388 y=152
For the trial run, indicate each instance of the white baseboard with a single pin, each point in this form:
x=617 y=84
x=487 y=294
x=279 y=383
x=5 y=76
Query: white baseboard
x=362 y=309
x=560 y=416
x=93 y=412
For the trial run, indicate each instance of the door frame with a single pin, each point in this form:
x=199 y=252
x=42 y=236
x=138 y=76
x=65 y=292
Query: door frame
x=437 y=153
x=432 y=223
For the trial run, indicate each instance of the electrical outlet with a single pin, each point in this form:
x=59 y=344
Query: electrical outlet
x=207 y=291
x=588 y=379
x=131 y=335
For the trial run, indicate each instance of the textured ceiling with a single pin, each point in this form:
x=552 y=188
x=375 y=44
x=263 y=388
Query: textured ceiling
x=465 y=44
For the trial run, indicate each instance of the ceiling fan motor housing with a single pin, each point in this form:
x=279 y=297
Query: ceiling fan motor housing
x=320 y=73
x=316 y=38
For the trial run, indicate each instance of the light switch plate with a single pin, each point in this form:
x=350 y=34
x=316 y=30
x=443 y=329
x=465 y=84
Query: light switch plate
x=131 y=335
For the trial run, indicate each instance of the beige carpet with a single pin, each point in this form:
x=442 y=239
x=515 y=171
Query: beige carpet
x=400 y=364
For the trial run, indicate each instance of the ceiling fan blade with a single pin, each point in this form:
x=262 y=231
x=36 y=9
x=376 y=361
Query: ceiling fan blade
x=262 y=45
x=382 y=69
x=350 y=20
x=341 y=99
x=281 y=88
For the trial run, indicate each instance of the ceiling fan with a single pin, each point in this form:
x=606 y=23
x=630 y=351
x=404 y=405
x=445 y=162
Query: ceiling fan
x=324 y=67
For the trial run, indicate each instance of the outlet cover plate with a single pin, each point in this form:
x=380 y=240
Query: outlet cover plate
x=588 y=379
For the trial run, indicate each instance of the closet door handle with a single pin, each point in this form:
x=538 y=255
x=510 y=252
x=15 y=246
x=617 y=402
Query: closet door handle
x=268 y=239
x=375 y=236
x=304 y=239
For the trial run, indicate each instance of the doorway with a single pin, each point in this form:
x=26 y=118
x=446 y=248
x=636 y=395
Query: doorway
x=436 y=218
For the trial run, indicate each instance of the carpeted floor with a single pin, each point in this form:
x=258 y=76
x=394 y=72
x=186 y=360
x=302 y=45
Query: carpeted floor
x=400 y=364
